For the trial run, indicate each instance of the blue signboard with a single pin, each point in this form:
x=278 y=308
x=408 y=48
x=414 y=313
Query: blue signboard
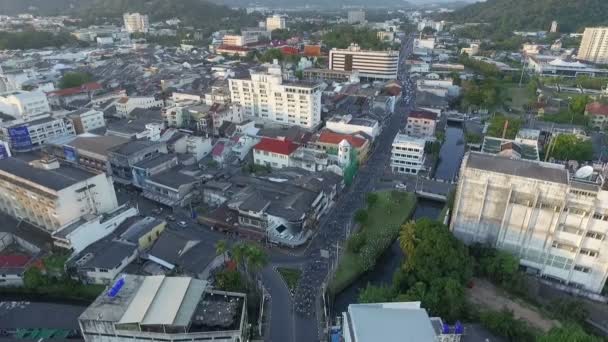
x=70 y=154
x=3 y=151
x=20 y=138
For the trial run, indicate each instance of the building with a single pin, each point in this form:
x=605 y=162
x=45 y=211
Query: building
x=395 y=322
x=329 y=142
x=273 y=152
x=554 y=27
x=594 y=46
x=235 y=40
x=432 y=24
x=376 y=65
x=554 y=221
x=125 y=105
x=549 y=65
x=147 y=168
x=172 y=188
x=52 y=197
x=33 y=134
x=136 y=23
x=407 y=154
x=314 y=74
x=86 y=120
x=123 y=157
x=421 y=124
x=348 y=125
x=275 y=22
x=356 y=17
x=139 y=308
x=89 y=152
x=472 y=50
x=81 y=94
x=231 y=50
x=103 y=261
x=598 y=114
x=267 y=97
x=24 y=105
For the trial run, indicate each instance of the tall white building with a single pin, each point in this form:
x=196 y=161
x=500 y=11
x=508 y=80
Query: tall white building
x=594 y=46
x=275 y=22
x=268 y=97
x=407 y=154
x=378 y=65
x=356 y=16
x=52 y=197
x=554 y=27
x=554 y=221
x=136 y=23
x=24 y=104
x=86 y=120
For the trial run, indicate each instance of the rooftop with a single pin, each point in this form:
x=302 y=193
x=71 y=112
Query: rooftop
x=279 y=146
x=422 y=114
x=141 y=227
x=518 y=167
x=172 y=179
x=159 y=159
x=133 y=146
x=329 y=137
x=107 y=254
x=55 y=179
x=597 y=108
x=99 y=145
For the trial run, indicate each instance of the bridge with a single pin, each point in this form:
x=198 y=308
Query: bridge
x=432 y=189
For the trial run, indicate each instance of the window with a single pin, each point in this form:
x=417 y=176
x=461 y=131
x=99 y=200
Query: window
x=583 y=269
x=589 y=252
x=595 y=235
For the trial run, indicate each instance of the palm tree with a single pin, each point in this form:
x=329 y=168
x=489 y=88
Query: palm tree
x=221 y=247
x=256 y=258
x=407 y=238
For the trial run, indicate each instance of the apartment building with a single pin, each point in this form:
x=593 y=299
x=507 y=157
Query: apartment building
x=421 y=123
x=51 y=196
x=356 y=17
x=267 y=97
x=375 y=65
x=407 y=154
x=136 y=23
x=275 y=22
x=24 y=105
x=556 y=222
x=594 y=46
x=32 y=135
x=86 y=120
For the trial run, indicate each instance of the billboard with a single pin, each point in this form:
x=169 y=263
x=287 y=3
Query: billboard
x=20 y=138
x=70 y=154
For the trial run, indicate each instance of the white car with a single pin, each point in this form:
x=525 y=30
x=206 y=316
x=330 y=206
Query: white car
x=401 y=186
x=182 y=224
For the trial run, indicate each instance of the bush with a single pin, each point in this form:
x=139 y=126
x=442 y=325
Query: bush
x=504 y=324
x=361 y=216
x=356 y=242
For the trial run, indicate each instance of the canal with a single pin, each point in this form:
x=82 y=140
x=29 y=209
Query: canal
x=451 y=154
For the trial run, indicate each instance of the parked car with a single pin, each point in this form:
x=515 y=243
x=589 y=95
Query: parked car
x=401 y=186
x=170 y=218
x=182 y=224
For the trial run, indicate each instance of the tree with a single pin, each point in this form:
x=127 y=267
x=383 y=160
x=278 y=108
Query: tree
x=568 y=333
x=74 y=79
x=270 y=55
x=355 y=242
x=228 y=280
x=570 y=147
x=361 y=216
x=372 y=198
x=280 y=34
x=221 y=247
x=376 y=294
x=504 y=324
x=33 y=278
x=342 y=36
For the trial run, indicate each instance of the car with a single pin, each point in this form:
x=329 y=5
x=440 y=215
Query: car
x=401 y=186
x=182 y=224
x=170 y=218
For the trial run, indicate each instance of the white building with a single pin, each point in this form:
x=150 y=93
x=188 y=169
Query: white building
x=395 y=322
x=275 y=22
x=378 y=65
x=348 y=125
x=125 y=105
x=424 y=43
x=138 y=308
x=273 y=152
x=435 y=25
x=31 y=135
x=472 y=50
x=594 y=46
x=554 y=221
x=356 y=17
x=421 y=123
x=548 y=65
x=24 y=104
x=53 y=197
x=86 y=120
x=554 y=27
x=407 y=154
x=235 y=40
x=267 y=97
x=136 y=23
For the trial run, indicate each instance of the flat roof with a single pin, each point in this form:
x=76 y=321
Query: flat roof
x=98 y=145
x=56 y=179
x=172 y=178
x=518 y=167
x=157 y=160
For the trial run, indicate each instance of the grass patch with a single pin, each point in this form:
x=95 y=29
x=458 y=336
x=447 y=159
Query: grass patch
x=376 y=234
x=291 y=276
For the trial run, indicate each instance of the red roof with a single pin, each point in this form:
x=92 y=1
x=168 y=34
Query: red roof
x=14 y=260
x=289 y=50
x=312 y=50
x=423 y=114
x=329 y=137
x=279 y=146
x=597 y=108
x=85 y=88
x=218 y=149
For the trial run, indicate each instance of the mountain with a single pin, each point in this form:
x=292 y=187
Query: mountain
x=572 y=15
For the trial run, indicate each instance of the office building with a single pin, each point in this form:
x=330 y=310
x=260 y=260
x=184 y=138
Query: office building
x=375 y=65
x=32 y=135
x=407 y=154
x=275 y=22
x=136 y=23
x=86 y=120
x=421 y=123
x=139 y=308
x=554 y=221
x=24 y=105
x=356 y=17
x=265 y=95
x=594 y=46
x=395 y=322
x=51 y=196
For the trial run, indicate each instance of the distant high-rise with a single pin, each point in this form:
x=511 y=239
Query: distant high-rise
x=554 y=27
x=376 y=65
x=276 y=22
x=355 y=17
x=594 y=46
x=135 y=22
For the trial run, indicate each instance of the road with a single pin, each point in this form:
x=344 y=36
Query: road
x=298 y=319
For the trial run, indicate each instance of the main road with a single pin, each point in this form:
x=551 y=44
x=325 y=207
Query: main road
x=297 y=318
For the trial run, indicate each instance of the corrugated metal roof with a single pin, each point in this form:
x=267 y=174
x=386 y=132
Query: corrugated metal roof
x=167 y=302
x=143 y=299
